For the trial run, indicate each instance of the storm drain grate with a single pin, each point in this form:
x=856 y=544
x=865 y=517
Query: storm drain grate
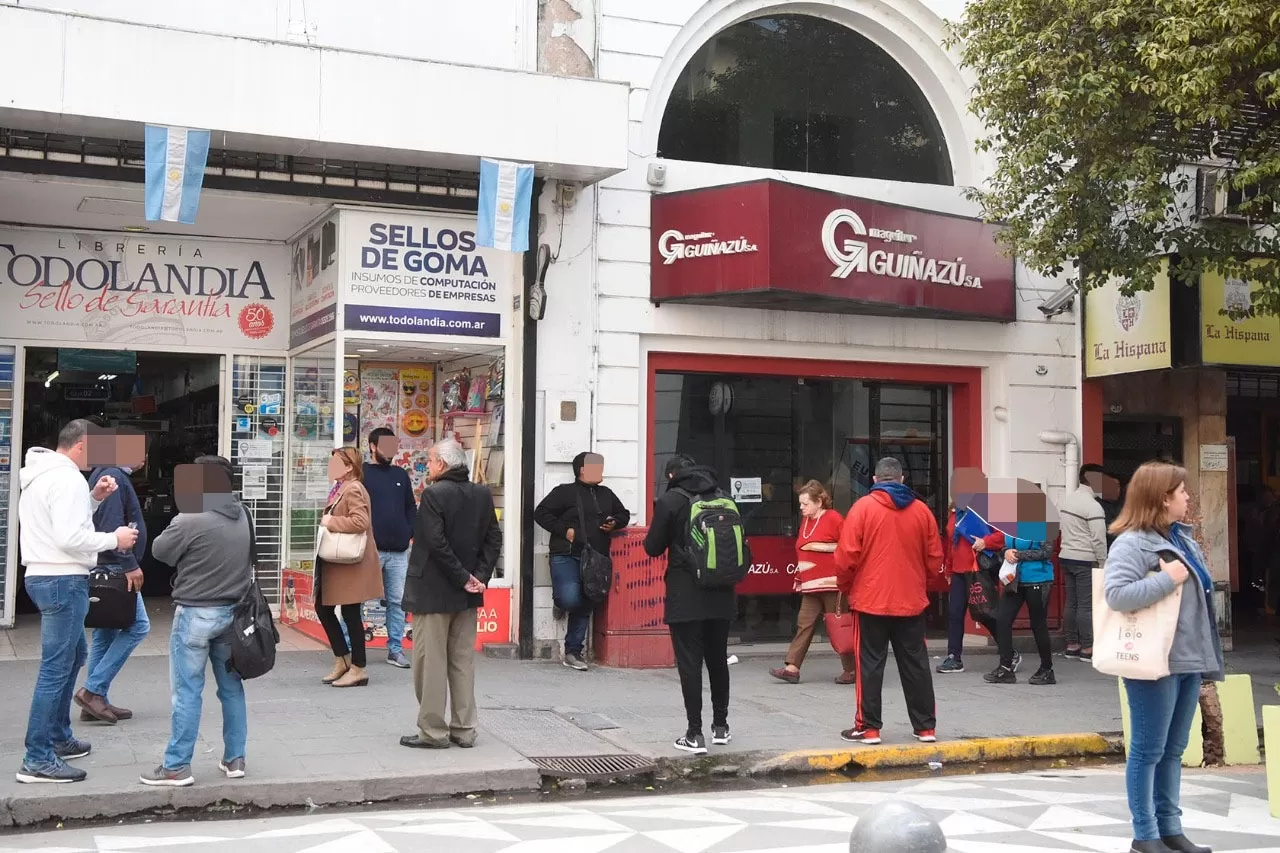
x=593 y=767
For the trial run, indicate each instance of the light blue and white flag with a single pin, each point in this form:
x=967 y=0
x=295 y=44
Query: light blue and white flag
x=175 y=161
x=506 y=190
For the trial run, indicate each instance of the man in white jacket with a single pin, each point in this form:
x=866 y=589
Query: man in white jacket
x=59 y=546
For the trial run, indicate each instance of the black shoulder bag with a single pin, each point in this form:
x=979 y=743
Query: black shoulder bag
x=597 y=568
x=252 y=634
x=112 y=604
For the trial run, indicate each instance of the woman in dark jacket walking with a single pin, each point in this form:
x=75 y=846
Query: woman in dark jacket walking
x=698 y=617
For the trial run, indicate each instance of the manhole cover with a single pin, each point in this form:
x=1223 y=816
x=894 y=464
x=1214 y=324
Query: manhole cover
x=593 y=766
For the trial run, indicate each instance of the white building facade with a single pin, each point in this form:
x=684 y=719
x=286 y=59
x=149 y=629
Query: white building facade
x=690 y=322
x=330 y=284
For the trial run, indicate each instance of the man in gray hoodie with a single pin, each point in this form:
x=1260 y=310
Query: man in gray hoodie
x=209 y=543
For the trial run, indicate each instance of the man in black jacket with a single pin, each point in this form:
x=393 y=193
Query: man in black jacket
x=697 y=616
x=561 y=513
x=456 y=544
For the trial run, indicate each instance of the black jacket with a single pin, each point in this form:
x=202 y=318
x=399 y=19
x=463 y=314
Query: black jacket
x=558 y=512
x=687 y=600
x=456 y=535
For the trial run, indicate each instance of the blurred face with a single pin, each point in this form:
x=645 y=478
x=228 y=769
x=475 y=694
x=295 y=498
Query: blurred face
x=385 y=449
x=809 y=508
x=1177 y=502
x=200 y=488
x=338 y=467
x=592 y=469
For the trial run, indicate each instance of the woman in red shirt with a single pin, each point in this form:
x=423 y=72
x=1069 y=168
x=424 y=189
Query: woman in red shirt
x=815 y=578
x=960 y=558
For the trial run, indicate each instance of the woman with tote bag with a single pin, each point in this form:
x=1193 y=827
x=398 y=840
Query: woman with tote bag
x=347 y=569
x=1153 y=559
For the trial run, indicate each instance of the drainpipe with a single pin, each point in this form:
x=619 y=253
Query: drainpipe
x=1071 y=452
x=529 y=432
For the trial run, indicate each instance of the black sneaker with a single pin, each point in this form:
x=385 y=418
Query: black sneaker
x=864 y=735
x=1043 y=676
x=1072 y=654
x=1001 y=675
x=720 y=735
x=55 y=773
x=73 y=749
x=1017 y=661
x=694 y=743
x=950 y=666
x=1086 y=657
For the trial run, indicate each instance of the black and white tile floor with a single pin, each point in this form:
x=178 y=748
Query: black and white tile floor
x=1005 y=813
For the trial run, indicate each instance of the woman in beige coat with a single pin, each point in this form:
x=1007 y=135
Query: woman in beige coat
x=347 y=585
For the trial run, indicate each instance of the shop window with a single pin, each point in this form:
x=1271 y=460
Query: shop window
x=313 y=398
x=803 y=94
x=6 y=464
x=258 y=442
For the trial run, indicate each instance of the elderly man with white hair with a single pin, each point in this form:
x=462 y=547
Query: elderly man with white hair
x=456 y=543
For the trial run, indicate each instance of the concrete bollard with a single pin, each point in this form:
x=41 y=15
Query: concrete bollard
x=897 y=828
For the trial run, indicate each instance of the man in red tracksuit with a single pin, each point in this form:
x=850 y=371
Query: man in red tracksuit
x=888 y=547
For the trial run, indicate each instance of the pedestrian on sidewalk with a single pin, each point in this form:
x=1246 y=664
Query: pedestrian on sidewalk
x=393 y=507
x=209 y=543
x=698 y=617
x=347 y=586
x=126 y=451
x=961 y=552
x=575 y=514
x=456 y=544
x=59 y=545
x=889 y=546
x=1027 y=576
x=1138 y=574
x=815 y=580
x=1084 y=548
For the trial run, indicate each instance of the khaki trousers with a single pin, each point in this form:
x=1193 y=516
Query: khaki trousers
x=812 y=607
x=444 y=670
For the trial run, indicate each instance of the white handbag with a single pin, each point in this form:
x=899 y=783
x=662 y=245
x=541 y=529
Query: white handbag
x=1134 y=645
x=342 y=548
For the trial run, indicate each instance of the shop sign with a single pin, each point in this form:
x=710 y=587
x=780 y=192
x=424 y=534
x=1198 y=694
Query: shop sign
x=314 y=281
x=1127 y=334
x=422 y=274
x=770 y=244
x=773 y=566
x=129 y=290
x=1249 y=341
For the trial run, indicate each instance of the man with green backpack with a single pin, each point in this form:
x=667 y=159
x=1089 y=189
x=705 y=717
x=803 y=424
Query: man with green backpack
x=700 y=530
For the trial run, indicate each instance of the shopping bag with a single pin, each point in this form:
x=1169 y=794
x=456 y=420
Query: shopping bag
x=840 y=629
x=1133 y=645
x=983 y=595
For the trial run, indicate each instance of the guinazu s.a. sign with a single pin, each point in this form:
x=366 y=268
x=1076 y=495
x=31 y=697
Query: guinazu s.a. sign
x=769 y=244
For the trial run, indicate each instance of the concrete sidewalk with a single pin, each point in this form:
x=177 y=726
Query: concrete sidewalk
x=313 y=744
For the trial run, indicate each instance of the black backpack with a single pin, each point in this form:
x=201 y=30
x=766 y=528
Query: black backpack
x=715 y=540
x=597 y=568
x=252 y=634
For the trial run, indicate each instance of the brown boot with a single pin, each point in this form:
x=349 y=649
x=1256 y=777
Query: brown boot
x=355 y=677
x=340 y=667
x=95 y=706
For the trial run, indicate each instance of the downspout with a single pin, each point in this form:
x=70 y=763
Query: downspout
x=1072 y=455
x=529 y=430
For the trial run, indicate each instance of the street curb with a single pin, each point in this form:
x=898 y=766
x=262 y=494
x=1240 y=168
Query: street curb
x=949 y=752
x=25 y=811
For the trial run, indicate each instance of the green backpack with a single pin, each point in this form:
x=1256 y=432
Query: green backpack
x=716 y=546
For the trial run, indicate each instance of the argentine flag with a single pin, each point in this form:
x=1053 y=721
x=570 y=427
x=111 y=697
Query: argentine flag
x=175 y=161
x=502 y=217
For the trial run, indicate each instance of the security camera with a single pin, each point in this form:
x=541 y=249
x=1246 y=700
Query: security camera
x=1060 y=302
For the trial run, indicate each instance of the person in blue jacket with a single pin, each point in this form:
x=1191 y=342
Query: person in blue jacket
x=111 y=647
x=1027 y=576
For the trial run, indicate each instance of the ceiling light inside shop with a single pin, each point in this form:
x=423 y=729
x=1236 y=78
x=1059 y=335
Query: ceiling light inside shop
x=366 y=350
x=49 y=379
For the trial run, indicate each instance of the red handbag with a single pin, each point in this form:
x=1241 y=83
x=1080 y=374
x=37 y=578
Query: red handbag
x=840 y=629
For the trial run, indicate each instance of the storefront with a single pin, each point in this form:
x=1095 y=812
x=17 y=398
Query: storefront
x=271 y=354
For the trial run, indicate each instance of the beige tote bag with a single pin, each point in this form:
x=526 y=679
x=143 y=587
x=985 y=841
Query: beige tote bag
x=342 y=548
x=1133 y=645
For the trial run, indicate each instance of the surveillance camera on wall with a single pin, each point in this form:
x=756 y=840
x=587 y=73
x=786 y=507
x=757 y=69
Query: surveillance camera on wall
x=1060 y=302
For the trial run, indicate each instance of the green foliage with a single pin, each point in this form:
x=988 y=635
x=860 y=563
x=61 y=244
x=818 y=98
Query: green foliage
x=1094 y=110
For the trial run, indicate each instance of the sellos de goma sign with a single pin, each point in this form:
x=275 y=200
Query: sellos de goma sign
x=110 y=288
x=768 y=244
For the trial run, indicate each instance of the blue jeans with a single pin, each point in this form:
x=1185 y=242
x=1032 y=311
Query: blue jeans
x=1160 y=714
x=566 y=592
x=111 y=647
x=63 y=602
x=395 y=567
x=197 y=641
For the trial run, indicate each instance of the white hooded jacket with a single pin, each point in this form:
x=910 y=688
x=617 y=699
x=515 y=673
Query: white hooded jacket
x=55 y=517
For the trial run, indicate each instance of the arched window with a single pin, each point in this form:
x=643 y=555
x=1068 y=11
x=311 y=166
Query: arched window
x=805 y=94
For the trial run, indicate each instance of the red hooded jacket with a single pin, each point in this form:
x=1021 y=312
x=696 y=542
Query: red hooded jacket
x=889 y=546
x=958 y=556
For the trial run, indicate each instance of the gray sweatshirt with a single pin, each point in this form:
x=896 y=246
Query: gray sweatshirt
x=210 y=550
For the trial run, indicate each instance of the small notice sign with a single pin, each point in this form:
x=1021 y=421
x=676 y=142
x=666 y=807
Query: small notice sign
x=1214 y=457
x=746 y=490
x=254 y=450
